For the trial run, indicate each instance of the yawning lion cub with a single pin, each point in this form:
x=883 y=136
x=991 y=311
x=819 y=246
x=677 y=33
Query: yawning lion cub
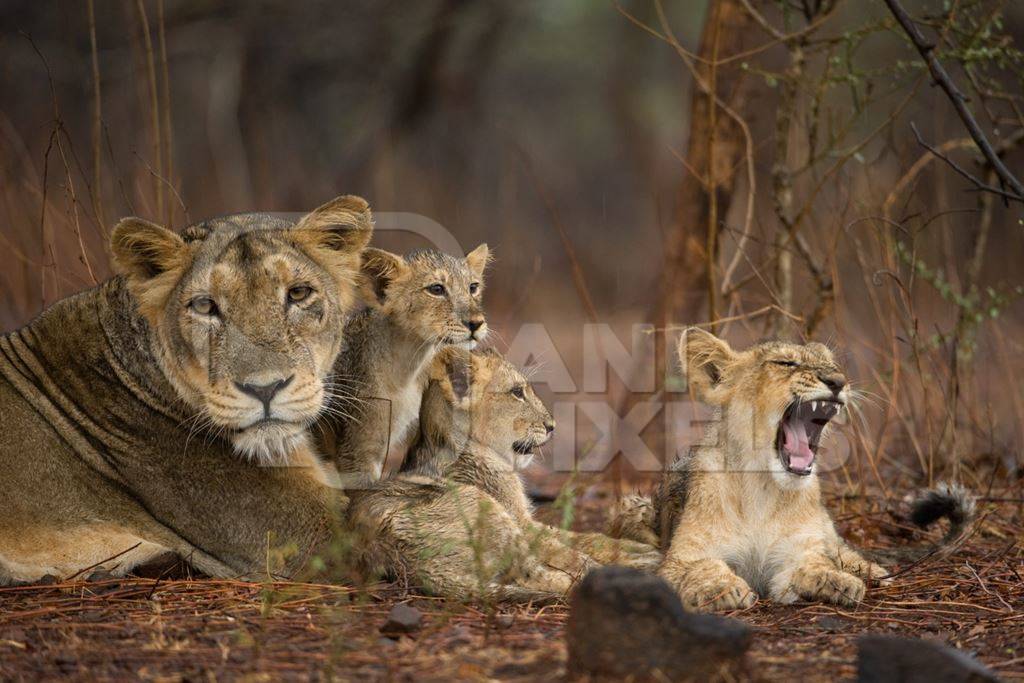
x=743 y=516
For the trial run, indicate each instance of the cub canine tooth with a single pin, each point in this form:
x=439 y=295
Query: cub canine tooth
x=814 y=406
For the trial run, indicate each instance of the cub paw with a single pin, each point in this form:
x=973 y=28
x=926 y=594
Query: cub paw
x=721 y=594
x=875 y=572
x=832 y=586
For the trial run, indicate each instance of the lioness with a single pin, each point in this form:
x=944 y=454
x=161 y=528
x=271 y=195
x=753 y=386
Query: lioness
x=743 y=517
x=419 y=304
x=141 y=416
x=456 y=520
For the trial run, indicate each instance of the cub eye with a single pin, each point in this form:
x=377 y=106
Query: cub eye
x=787 y=363
x=474 y=287
x=518 y=392
x=436 y=289
x=299 y=293
x=204 y=305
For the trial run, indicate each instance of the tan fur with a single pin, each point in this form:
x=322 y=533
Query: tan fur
x=735 y=523
x=381 y=373
x=479 y=423
x=122 y=415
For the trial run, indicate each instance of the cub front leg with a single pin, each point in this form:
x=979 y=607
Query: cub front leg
x=848 y=560
x=815 y=577
x=707 y=585
x=545 y=543
x=607 y=550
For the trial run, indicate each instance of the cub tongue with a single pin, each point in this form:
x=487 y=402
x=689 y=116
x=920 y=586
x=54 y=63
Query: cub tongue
x=796 y=444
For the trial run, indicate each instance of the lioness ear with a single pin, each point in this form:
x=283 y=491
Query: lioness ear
x=342 y=225
x=379 y=269
x=478 y=259
x=144 y=250
x=704 y=358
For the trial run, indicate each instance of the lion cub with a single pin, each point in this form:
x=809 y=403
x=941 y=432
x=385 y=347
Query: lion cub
x=456 y=520
x=480 y=424
x=743 y=517
x=419 y=304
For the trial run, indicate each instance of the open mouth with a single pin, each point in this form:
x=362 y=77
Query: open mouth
x=799 y=434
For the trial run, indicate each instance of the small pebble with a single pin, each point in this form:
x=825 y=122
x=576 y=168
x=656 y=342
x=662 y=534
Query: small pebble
x=402 y=619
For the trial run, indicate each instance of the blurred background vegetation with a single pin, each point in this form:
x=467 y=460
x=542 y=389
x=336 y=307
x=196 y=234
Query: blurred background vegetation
x=577 y=138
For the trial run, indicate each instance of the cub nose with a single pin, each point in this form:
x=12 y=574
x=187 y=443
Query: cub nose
x=549 y=426
x=835 y=382
x=264 y=393
x=473 y=325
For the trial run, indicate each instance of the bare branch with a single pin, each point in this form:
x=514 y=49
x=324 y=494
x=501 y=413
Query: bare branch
x=959 y=100
x=977 y=182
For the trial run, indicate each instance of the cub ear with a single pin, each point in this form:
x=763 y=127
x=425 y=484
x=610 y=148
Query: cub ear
x=454 y=370
x=342 y=225
x=704 y=359
x=144 y=250
x=379 y=269
x=478 y=259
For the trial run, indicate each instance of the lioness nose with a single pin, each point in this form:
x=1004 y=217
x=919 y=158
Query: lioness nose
x=835 y=382
x=550 y=426
x=264 y=393
x=473 y=325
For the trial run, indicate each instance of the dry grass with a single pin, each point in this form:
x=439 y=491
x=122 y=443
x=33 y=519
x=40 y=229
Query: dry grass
x=185 y=628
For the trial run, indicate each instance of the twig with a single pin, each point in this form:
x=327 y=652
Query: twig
x=154 y=104
x=977 y=182
x=959 y=100
x=97 y=124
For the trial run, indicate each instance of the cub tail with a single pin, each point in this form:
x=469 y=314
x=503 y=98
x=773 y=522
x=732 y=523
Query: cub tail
x=946 y=500
x=952 y=501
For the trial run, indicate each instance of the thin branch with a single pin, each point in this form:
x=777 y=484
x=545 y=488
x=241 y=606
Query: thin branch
x=977 y=182
x=959 y=100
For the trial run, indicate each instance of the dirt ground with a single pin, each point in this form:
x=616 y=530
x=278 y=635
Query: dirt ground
x=211 y=629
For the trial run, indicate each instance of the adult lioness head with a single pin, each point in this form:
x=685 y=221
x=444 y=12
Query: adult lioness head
x=247 y=313
x=480 y=397
x=777 y=399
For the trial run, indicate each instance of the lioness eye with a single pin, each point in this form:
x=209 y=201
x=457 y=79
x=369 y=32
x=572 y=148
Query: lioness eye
x=518 y=392
x=204 y=305
x=436 y=289
x=786 y=363
x=473 y=287
x=299 y=293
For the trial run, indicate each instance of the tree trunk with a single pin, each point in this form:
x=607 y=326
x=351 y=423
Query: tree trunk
x=714 y=149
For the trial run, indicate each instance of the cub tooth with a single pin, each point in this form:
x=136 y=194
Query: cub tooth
x=814 y=406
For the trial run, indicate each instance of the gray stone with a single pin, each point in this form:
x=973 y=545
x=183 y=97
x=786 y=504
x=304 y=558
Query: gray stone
x=624 y=623
x=890 y=659
x=402 y=619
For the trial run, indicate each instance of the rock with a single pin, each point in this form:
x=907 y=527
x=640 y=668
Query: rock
x=890 y=659
x=624 y=623
x=829 y=624
x=402 y=619
x=98 y=575
x=504 y=621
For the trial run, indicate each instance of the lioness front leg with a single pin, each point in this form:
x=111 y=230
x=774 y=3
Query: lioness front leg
x=707 y=585
x=815 y=577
